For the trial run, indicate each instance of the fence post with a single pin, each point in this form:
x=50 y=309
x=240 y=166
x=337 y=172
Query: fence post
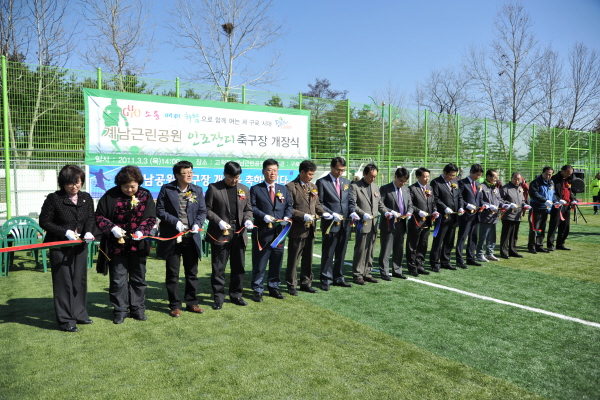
x=426 y=126
x=485 y=144
x=457 y=128
x=300 y=101
x=565 y=151
x=177 y=88
x=348 y=134
x=532 y=150
x=5 y=106
x=389 y=141
x=243 y=94
x=99 y=77
x=511 y=128
x=552 y=150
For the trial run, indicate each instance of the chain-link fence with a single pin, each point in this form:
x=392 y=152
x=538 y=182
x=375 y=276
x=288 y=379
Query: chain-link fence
x=43 y=128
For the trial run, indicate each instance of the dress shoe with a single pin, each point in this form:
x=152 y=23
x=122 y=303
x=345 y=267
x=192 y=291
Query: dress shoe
x=532 y=250
x=217 y=305
x=516 y=255
x=370 y=279
x=324 y=287
x=359 y=281
x=140 y=317
x=292 y=291
x=257 y=297
x=386 y=277
x=238 y=301
x=463 y=266
x=422 y=271
x=435 y=269
x=482 y=259
x=194 y=308
x=175 y=313
x=119 y=319
x=277 y=294
x=493 y=258
x=450 y=267
x=85 y=322
x=397 y=275
x=342 y=284
x=71 y=329
x=475 y=263
x=308 y=289
x=562 y=248
x=550 y=248
x=414 y=273
x=505 y=256
x=540 y=249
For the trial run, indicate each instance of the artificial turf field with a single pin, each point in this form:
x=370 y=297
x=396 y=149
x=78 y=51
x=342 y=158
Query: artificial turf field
x=393 y=340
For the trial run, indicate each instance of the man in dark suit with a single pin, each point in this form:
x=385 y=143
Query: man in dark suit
x=271 y=202
x=229 y=215
x=336 y=199
x=180 y=207
x=396 y=198
x=368 y=205
x=449 y=200
x=468 y=223
x=424 y=212
x=561 y=226
x=306 y=207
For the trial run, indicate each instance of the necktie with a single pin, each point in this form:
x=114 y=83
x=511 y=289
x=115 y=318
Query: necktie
x=337 y=187
x=400 y=202
x=473 y=187
x=272 y=193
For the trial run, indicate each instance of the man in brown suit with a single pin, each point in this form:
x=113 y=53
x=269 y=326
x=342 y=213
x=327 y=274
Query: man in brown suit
x=306 y=207
x=368 y=204
x=229 y=212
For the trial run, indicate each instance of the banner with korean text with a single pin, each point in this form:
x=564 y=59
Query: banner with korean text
x=157 y=132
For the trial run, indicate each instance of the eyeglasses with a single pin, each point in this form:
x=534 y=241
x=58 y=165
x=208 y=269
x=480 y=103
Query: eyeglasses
x=74 y=184
x=186 y=174
x=342 y=170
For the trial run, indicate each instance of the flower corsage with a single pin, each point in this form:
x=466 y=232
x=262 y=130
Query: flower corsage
x=190 y=196
x=241 y=194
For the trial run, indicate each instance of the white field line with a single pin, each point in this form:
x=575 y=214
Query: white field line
x=507 y=303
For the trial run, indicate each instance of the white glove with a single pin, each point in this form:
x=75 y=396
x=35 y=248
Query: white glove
x=513 y=206
x=180 y=226
x=493 y=207
x=562 y=202
x=574 y=202
x=224 y=225
x=486 y=206
x=268 y=219
x=422 y=214
x=461 y=210
x=397 y=214
x=137 y=235
x=448 y=210
x=389 y=215
x=327 y=216
x=527 y=206
x=195 y=228
x=249 y=225
x=436 y=214
x=71 y=235
x=409 y=217
x=367 y=217
x=116 y=231
x=88 y=237
x=548 y=203
x=354 y=216
x=337 y=217
x=285 y=221
x=470 y=206
x=308 y=218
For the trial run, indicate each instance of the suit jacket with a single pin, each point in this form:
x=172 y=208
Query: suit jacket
x=332 y=203
x=304 y=202
x=446 y=197
x=262 y=205
x=421 y=202
x=366 y=204
x=468 y=197
x=167 y=210
x=491 y=196
x=390 y=200
x=59 y=214
x=512 y=194
x=217 y=207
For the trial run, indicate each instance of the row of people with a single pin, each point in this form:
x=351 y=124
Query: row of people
x=127 y=213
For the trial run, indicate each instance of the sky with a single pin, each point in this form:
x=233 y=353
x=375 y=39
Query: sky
x=362 y=46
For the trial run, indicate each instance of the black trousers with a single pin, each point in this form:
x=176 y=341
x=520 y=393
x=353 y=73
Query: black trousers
x=558 y=228
x=416 y=246
x=596 y=199
x=536 y=235
x=234 y=251
x=508 y=238
x=333 y=255
x=69 y=284
x=127 y=287
x=260 y=259
x=443 y=243
x=467 y=231
x=189 y=252
x=300 y=248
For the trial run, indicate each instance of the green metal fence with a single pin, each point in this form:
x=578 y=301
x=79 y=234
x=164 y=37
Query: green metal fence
x=43 y=129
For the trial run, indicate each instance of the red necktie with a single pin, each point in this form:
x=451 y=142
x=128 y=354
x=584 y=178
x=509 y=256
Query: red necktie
x=473 y=187
x=337 y=187
x=272 y=193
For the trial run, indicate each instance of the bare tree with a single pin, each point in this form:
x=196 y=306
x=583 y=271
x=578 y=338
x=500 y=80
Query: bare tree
x=121 y=36
x=13 y=30
x=552 y=86
x=583 y=85
x=445 y=91
x=54 y=36
x=222 y=39
x=391 y=94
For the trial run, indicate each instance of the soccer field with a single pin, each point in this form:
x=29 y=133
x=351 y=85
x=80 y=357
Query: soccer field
x=514 y=329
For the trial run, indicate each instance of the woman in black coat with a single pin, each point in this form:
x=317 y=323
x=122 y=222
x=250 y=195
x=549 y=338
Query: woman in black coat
x=69 y=213
x=125 y=213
